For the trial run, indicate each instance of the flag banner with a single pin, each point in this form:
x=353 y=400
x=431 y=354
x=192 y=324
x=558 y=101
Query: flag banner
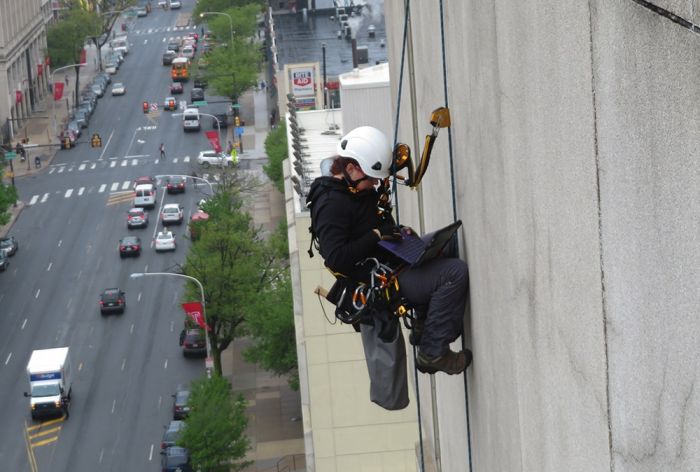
x=58 y=90
x=194 y=311
x=213 y=138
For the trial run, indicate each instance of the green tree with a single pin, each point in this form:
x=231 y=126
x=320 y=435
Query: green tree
x=276 y=149
x=8 y=196
x=214 y=432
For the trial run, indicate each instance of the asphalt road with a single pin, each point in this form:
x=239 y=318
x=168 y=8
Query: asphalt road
x=125 y=366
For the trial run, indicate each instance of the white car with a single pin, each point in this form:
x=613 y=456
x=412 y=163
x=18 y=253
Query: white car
x=172 y=213
x=118 y=89
x=188 y=52
x=111 y=68
x=165 y=241
x=212 y=158
x=175 y=4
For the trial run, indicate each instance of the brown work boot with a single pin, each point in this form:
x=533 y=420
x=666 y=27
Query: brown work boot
x=450 y=363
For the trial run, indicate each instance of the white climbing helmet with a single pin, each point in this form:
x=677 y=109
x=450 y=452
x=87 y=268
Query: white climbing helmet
x=370 y=148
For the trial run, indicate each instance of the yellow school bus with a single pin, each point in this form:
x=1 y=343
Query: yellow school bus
x=180 y=69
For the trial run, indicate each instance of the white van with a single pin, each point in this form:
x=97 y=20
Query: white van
x=145 y=195
x=190 y=119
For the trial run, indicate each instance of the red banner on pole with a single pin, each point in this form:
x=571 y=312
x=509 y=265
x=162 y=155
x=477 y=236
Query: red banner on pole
x=40 y=69
x=58 y=90
x=213 y=138
x=194 y=311
x=83 y=56
x=18 y=96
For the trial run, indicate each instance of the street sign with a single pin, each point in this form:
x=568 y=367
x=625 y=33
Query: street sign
x=200 y=103
x=9 y=155
x=239 y=131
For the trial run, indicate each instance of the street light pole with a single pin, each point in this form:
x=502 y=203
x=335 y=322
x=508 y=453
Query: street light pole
x=136 y=275
x=53 y=102
x=230 y=21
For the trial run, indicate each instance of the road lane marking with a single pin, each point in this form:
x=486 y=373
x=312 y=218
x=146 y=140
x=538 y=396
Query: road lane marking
x=114 y=187
x=81 y=190
x=131 y=329
x=138 y=299
x=61 y=169
x=150 y=454
x=69 y=192
x=125 y=163
x=81 y=167
x=49 y=267
x=134 y=162
x=60 y=241
x=45 y=442
x=106 y=145
x=165 y=366
x=34 y=199
x=175 y=160
x=160 y=401
x=44 y=423
x=45 y=197
x=102 y=188
x=186 y=159
x=102 y=453
x=38 y=291
x=24 y=323
x=80 y=367
x=9 y=356
x=45 y=432
x=93 y=165
x=126 y=184
x=123 y=364
x=114 y=405
x=113 y=164
x=52 y=170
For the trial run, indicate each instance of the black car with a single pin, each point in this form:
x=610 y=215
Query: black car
x=193 y=343
x=222 y=120
x=168 y=57
x=112 y=300
x=175 y=459
x=175 y=184
x=172 y=432
x=176 y=87
x=130 y=246
x=197 y=94
x=4 y=261
x=9 y=245
x=180 y=408
x=200 y=82
x=173 y=46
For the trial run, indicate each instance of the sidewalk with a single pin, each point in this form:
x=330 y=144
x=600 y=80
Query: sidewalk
x=39 y=129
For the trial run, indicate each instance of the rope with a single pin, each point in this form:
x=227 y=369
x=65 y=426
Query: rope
x=454 y=216
x=394 y=187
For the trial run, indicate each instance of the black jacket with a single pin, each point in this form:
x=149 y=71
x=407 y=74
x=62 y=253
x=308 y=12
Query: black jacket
x=343 y=222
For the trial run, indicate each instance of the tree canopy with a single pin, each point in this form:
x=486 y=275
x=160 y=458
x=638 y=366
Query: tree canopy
x=276 y=149
x=8 y=197
x=214 y=432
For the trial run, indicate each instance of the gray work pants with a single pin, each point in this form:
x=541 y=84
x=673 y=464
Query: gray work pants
x=438 y=289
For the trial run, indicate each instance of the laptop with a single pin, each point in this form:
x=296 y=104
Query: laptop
x=416 y=250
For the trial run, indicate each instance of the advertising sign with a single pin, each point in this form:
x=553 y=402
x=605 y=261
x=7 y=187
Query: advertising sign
x=302 y=81
x=213 y=138
x=194 y=311
x=58 y=90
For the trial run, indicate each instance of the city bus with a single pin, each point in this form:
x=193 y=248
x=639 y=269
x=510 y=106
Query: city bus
x=180 y=70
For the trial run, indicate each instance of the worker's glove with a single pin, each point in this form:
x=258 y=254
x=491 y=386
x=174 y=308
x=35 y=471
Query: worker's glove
x=388 y=232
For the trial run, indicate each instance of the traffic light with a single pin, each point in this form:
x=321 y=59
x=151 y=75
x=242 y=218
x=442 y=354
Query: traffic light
x=66 y=143
x=145 y=107
x=171 y=104
x=96 y=141
x=237 y=121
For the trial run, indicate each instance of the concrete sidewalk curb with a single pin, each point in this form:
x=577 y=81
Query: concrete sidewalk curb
x=14 y=215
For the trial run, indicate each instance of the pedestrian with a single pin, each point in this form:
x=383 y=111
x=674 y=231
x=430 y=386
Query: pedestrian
x=202 y=31
x=65 y=80
x=262 y=85
x=65 y=406
x=347 y=227
x=162 y=151
x=229 y=148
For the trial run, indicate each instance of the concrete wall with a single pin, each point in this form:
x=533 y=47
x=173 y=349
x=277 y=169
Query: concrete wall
x=575 y=154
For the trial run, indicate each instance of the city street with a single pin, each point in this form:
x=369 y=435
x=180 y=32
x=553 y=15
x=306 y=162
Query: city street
x=125 y=366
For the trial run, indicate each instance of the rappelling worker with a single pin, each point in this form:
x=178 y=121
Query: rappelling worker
x=348 y=227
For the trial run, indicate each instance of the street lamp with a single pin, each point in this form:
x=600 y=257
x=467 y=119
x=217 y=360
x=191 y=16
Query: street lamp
x=230 y=20
x=208 y=364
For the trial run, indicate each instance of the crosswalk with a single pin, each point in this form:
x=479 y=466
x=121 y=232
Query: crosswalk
x=163 y=29
x=112 y=163
x=118 y=192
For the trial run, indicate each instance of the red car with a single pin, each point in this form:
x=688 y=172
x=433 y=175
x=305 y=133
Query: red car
x=176 y=87
x=130 y=246
x=175 y=184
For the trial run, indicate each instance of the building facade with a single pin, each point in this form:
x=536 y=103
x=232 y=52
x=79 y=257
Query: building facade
x=23 y=61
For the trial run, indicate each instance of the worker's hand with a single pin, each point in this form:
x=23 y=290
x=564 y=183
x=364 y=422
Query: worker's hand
x=388 y=232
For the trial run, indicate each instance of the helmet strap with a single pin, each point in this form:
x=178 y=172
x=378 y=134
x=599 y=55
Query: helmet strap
x=352 y=184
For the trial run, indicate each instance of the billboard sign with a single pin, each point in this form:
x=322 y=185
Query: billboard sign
x=302 y=81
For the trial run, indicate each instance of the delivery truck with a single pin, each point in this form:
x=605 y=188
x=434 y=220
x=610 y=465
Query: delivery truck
x=49 y=372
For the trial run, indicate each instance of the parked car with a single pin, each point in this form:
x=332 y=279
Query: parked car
x=175 y=459
x=4 y=261
x=168 y=57
x=172 y=213
x=200 y=82
x=130 y=246
x=112 y=300
x=111 y=68
x=171 y=434
x=81 y=117
x=165 y=241
x=194 y=343
x=212 y=158
x=104 y=76
x=175 y=184
x=74 y=127
x=98 y=89
x=197 y=94
x=9 y=245
x=136 y=218
x=222 y=120
x=118 y=89
x=180 y=408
